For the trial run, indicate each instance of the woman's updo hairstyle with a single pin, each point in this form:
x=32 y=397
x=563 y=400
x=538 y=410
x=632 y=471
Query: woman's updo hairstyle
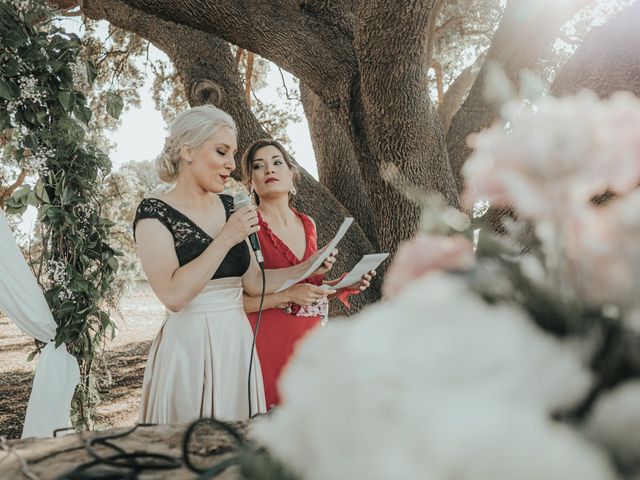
x=192 y=127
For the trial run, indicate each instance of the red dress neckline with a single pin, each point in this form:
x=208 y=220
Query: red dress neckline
x=283 y=247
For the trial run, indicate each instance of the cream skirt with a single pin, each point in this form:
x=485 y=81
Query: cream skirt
x=198 y=365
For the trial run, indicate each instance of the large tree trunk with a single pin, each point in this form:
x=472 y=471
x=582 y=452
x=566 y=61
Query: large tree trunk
x=364 y=61
x=608 y=59
x=209 y=73
x=391 y=118
x=527 y=30
x=336 y=160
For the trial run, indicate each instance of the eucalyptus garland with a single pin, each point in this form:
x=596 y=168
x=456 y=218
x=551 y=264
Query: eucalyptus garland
x=44 y=115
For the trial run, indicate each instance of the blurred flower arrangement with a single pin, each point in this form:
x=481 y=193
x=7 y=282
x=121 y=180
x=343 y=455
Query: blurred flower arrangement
x=483 y=362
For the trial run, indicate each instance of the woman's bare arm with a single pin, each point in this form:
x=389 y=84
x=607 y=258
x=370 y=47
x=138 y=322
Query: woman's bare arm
x=300 y=293
x=174 y=285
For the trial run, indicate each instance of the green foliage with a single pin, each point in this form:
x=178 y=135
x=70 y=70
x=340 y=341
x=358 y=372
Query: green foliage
x=48 y=117
x=464 y=29
x=124 y=189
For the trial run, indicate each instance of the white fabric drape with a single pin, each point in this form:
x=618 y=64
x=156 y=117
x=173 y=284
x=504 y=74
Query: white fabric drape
x=57 y=373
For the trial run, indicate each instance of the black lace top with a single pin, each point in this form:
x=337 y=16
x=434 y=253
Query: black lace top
x=190 y=240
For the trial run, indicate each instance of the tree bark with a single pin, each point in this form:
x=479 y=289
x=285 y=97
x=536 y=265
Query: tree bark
x=294 y=38
x=608 y=59
x=527 y=29
x=336 y=161
x=210 y=67
x=392 y=121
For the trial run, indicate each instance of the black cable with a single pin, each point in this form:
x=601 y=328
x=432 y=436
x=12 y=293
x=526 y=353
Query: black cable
x=129 y=465
x=219 y=467
x=255 y=336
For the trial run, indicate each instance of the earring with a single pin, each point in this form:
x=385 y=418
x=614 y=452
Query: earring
x=293 y=191
x=252 y=192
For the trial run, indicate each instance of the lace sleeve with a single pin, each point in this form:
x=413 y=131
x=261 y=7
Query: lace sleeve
x=151 y=208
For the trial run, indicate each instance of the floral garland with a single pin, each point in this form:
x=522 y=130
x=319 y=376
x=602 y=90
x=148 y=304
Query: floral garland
x=41 y=105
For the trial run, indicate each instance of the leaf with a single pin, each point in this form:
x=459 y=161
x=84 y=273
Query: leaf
x=30 y=115
x=67 y=99
x=75 y=133
x=64 y=309
x=115 y=104
x=14 y=209
x=32 y=355
x=92 y=72
x=105 y=222
x=83 y=113
x=30 y=141
x=105 y=321
x=32 y=199
x=10 y=69
x=41 y=115
x=41 y=192
x=113 y=263
x=5 y=120
x=8 y=90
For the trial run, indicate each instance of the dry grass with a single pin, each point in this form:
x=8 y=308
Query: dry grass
x=140 y=320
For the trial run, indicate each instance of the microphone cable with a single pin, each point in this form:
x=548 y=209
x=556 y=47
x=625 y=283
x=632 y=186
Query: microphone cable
x=255 y=335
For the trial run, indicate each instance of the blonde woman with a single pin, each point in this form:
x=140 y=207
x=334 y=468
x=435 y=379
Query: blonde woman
x=194 y=252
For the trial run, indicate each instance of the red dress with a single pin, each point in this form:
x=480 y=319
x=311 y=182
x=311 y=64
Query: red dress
x=280 y=331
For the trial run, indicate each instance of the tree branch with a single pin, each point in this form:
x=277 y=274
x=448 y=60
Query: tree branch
x=455 y=94
x=6 y=192
x=306 y=45
x=527 y=29
x=448 y=24
x=607 y=61
x=248 y=76
x=437 y=68
x=432 y=28
x=239 y=52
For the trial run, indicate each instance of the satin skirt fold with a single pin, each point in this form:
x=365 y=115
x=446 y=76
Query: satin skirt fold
x=198 y=365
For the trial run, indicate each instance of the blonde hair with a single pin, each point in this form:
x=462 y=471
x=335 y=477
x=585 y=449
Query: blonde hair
x=192 y=127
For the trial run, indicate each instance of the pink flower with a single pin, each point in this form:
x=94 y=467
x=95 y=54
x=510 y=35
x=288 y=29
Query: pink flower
x=425 y=253
x=550 y=159
x=603 y=252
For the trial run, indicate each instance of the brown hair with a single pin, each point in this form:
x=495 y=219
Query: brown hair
x=249 y=157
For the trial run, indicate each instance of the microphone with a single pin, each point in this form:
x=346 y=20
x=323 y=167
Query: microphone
x=241 y=199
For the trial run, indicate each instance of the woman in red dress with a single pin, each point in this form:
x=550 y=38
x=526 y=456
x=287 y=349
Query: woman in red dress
x=287 y=237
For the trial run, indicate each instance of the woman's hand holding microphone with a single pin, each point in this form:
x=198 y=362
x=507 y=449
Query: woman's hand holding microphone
x=240 y=225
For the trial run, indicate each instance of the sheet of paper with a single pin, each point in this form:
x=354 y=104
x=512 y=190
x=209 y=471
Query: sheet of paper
x=329 y=248
x=365 y=265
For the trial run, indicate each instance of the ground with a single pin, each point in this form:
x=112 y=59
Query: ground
x=139 y=319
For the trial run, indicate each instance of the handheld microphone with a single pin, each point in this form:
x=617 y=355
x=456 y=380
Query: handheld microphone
x=240 y=200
